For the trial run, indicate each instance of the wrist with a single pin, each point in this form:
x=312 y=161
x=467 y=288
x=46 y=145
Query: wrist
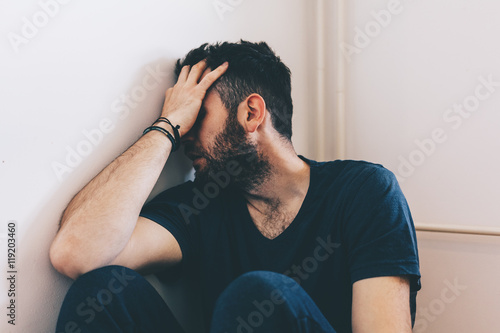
x=160 y=139
x=162 y=125
x=174 y=121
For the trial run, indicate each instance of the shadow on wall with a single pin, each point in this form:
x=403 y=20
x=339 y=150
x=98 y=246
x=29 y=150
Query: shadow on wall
x=41 y=287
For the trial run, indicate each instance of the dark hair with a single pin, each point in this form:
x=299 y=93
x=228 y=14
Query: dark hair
x=253 y=68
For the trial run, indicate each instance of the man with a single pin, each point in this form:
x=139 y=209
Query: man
x=279 y=242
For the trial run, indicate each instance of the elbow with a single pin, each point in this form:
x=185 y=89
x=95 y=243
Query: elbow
x=62 y=258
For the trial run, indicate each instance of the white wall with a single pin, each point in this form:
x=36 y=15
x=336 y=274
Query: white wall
x=69 y=76
x=71 y=73
x=400 y=84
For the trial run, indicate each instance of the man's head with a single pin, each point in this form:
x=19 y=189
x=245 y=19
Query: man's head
x=253 y=93
x=253 y=68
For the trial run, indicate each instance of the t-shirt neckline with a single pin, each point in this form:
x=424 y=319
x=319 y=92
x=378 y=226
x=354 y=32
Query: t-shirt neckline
x=296 y=221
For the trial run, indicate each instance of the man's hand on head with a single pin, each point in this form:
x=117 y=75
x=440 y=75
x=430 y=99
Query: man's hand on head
x=183 y=101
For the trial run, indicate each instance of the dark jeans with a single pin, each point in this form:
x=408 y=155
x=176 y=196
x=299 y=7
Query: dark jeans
x=117 y=299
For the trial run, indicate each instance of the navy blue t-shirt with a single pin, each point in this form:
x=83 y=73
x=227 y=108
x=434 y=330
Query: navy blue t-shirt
x=354 y=224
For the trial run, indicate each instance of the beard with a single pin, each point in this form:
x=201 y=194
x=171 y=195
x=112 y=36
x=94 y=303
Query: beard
x=232 y=147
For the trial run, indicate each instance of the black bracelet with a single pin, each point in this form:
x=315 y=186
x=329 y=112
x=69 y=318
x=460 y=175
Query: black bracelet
x=175 y=145
x=175 y=129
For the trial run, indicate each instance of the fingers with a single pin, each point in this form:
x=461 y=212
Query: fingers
x=196 y=72
x=192 y=75
x=205 y=72
x=184 y=99
x=183 y=75
x=213 y=76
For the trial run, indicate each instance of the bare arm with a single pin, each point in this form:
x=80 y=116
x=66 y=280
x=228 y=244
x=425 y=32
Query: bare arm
x=101 y=224
x=381 y=304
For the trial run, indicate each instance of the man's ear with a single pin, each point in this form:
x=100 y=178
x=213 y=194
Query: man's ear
x=252 y=112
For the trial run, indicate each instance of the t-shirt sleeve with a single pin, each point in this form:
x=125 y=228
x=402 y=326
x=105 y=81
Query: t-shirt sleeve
x=170 y=209
x=379 y=229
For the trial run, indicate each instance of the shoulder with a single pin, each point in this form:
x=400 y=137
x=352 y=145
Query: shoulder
x=364 y=174
x=353 y=173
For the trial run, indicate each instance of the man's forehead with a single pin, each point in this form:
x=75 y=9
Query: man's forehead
x=212 y=99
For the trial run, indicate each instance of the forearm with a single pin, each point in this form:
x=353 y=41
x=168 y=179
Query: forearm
x=100 y=219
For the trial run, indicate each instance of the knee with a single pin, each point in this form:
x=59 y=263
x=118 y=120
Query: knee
x=256 y=293
x=102 y=295
x=260 y=284
x=265 y=280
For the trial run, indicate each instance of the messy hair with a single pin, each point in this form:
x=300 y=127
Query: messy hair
x=253 y=68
